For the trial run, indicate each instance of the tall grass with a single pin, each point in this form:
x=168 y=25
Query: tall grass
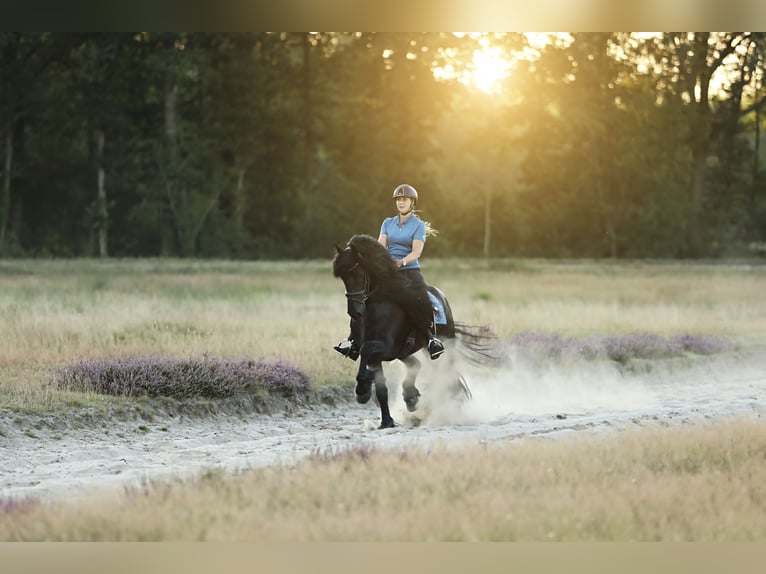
x=59 y=312
x=54 y=313
x=693 y=484
x=658 y=484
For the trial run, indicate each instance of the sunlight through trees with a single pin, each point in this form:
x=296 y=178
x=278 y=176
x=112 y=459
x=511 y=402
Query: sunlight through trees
x=262 y=145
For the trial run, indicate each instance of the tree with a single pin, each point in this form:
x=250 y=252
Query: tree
x=686 y=66
x=24 y=59
x=579 y=140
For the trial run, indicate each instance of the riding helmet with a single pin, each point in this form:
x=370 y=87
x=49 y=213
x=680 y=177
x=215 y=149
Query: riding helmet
x=406 y=190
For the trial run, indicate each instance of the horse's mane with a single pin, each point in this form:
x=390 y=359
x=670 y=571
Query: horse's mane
x=373 y=257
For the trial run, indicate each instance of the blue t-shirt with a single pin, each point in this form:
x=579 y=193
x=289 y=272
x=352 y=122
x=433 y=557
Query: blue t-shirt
x=400 y=237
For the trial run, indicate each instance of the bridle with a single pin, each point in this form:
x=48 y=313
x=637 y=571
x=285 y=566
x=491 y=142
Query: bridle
x=359 y=297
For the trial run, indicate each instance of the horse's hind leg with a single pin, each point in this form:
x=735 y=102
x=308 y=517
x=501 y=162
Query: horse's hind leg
x=410 y=392
x=458 y=386
x=461 y=389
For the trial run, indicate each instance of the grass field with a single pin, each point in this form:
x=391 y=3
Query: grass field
x=699 y=483
x=56 y=312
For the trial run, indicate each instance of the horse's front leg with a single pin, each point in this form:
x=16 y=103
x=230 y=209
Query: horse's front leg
x=410 y=392
x=381 y=393
x=371 y=372
x=364 y=379
x=365 y=376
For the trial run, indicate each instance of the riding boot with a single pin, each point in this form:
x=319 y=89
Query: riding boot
x=350 y=352
x=435 y=346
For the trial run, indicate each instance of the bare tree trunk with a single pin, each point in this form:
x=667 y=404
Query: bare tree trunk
x=701 y=116
x=239 y=197
x=699 y=173
x=171 y=169
x=171 y=123
x=608 y=213
x=308 y=133
x=103 y=215
x=610 y=230
x=756 y=153
x=5 y=202
x=487 y=220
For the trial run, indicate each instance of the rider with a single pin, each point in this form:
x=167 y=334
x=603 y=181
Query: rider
x=404 y=236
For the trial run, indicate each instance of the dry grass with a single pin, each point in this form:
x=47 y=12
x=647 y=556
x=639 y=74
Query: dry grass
x=583 y=297
x=704 y=483
x=56 y=312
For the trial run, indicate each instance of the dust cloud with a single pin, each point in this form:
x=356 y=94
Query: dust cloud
x=514 y=399
x=520 y=388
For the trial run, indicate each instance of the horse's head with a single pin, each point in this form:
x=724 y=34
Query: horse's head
x=346 y=266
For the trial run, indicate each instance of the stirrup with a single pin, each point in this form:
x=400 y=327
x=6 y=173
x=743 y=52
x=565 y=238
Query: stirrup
x=435 y=348
x=350 y=352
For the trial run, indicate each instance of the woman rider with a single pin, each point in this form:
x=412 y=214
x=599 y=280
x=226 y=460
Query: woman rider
x=404 y=236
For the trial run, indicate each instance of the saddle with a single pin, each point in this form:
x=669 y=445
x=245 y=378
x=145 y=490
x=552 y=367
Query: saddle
x=440 y=317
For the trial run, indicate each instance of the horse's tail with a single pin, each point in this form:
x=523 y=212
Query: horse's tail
x=478 y=343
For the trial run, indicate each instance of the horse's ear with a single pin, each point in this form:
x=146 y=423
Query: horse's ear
x=338 y=248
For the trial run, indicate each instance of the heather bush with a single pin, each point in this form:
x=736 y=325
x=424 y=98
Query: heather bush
x=540 y=344
x=700 y=345
x=181 y=378
x=10 y=506
x=619 y=348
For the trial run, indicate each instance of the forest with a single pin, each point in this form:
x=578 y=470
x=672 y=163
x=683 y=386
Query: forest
x=270 y=145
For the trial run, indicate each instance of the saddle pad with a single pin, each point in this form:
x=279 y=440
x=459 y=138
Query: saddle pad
x=440 y=317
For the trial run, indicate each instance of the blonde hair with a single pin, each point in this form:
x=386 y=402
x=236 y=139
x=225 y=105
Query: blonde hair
x=430 y=230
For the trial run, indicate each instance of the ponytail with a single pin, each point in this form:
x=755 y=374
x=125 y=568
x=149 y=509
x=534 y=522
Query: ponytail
x=430 y=230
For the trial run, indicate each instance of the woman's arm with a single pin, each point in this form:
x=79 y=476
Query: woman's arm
x=383 y=240
x=414 y=255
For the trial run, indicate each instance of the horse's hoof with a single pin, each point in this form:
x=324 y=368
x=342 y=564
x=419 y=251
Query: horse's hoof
x=411 y=400
x=387 y=424
x=363 y=393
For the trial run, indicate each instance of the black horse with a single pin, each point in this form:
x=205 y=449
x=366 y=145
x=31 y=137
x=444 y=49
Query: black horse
x=384 y=331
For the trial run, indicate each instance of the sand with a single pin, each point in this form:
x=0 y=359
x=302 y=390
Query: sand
x=516 y=402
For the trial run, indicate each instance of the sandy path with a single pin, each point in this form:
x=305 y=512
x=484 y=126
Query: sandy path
x=521 y=401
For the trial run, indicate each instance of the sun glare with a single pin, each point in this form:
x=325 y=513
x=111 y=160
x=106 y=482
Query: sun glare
x=491 y=65
x=490 y=68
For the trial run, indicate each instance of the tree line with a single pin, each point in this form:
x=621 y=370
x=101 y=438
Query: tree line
x=266 y=145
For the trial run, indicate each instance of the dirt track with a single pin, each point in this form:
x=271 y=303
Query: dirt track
x=39 y=461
